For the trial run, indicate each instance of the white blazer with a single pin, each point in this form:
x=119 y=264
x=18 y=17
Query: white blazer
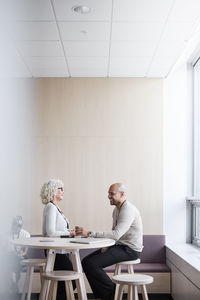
x=54 y=222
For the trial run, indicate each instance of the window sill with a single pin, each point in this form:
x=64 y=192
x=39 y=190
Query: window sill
x=187 y=252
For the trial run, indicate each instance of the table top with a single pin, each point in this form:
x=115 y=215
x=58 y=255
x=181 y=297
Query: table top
x=59 y=243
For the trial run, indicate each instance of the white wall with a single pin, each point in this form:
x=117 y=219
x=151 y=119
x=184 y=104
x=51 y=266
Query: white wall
x=177 y=138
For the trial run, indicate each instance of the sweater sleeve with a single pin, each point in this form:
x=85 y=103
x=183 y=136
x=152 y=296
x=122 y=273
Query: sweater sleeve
x=123 y=223
x=51 y=220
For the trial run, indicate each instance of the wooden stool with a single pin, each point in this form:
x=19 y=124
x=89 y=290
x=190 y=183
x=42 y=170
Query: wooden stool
x=118 y=267
x=67 y=276
x=129 y=265
x=31 y=263
x=132 y=280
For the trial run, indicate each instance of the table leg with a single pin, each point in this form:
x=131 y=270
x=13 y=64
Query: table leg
x=49 y=267
x=80 y=284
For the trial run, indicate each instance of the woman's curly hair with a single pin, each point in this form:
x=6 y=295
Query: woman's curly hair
x=49 y=190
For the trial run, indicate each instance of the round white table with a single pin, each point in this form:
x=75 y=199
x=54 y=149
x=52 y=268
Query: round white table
x=62 y=246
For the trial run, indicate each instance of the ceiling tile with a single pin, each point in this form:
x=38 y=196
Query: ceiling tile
x=128 y=48
x=161 y=66
x=40 y=48
x=185 y=11
x=48 y=72
x=177 y=31
x=88 y=67
x=31 y=10
x=82 y=48
x=136 y=31
x=46 y=62
x=141 y=10
x=83 y=31
x=163 y=61
x=159 y=72
x=101 y=10
x=170 y=48
x=130 y=67
x=35 y=31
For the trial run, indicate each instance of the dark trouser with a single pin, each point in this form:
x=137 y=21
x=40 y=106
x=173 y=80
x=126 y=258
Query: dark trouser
x=62 y=262
x=93 y=264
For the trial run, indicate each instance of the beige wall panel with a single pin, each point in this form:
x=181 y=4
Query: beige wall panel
x=99 y=107
x=93 y=132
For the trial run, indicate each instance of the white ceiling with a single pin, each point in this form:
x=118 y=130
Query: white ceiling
x=119 y=38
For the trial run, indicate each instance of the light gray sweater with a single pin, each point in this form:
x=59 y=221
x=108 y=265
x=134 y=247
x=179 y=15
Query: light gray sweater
x=54 y=222
x=127 y=227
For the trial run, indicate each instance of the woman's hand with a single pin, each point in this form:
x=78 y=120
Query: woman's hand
x=72 y=233
x=81 y=231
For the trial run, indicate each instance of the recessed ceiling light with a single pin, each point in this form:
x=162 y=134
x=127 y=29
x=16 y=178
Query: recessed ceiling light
x=81 y=9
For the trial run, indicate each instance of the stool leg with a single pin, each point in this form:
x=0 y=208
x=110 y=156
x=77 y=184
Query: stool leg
x=130 y=292
x=120 y=293
x=135 y=292
x=69 y=290
x=49 y=291
x=116 y=292
x=55 y=284
x=25 y=283
x=30 y=283
x=117 y=272
x=130 y=269
x=117 y=269
x=44 y=295
x=144 y=292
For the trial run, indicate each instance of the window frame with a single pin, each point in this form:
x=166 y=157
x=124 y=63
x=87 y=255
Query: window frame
x=194 y=201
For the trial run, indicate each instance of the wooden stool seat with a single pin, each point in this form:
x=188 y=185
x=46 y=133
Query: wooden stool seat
x=136 y=279
x=31 y=263
x=61 y=275
x=132 y=280
x=129 y=262
x=36 y=262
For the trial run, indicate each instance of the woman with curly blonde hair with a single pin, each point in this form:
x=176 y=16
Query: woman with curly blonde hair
x=56 y=224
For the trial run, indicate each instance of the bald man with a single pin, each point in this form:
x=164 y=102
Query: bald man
x=126 y=230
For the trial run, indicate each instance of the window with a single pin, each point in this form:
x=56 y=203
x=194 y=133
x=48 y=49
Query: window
x=194 y=202
x=196 y=168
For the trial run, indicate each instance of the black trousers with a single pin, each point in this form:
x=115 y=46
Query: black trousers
x=93 y=264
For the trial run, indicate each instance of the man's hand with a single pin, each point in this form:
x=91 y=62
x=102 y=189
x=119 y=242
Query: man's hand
x=81 y=231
